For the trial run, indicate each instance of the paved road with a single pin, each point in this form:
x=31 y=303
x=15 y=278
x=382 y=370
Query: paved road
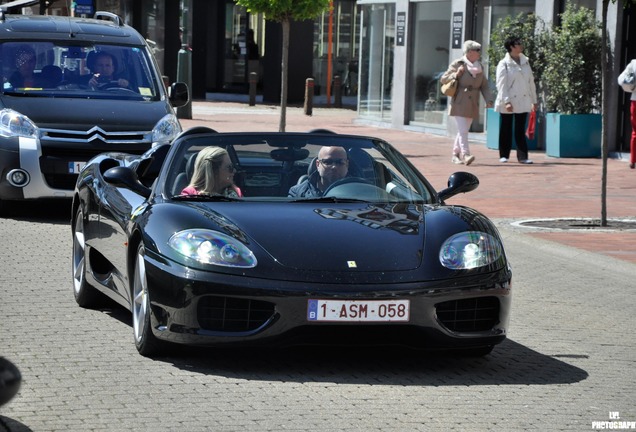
x=569 y=361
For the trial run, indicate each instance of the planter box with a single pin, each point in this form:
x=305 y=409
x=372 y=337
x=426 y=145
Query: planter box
x=573 y=135
x=493 y=123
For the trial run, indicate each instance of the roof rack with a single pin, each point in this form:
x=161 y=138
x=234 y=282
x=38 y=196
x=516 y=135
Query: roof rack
x=110 y=16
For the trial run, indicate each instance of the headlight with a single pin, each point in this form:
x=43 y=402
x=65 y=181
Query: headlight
x=469 y=250
x=212 y=247
x=14 y=124
x=166 y=130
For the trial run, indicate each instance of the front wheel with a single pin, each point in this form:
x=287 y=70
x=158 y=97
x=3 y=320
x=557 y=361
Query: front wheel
x=145 y=341
x=85 y=295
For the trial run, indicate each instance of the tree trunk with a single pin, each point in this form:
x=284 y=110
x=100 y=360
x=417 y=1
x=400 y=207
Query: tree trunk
x=283 y=75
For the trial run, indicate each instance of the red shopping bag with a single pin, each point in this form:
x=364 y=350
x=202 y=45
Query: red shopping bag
x=532 y=123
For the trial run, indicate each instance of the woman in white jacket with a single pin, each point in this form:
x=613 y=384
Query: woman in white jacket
x=630 y=70
x=516 y=97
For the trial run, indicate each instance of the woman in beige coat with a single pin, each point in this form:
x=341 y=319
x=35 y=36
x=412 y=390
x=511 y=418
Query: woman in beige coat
x=464 y=106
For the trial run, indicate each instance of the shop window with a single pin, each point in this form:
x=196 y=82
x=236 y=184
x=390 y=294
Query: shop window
x=376 y=61
x=430 y=56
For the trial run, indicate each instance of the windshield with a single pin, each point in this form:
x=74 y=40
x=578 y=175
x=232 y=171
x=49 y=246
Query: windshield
x=86 y=71
x=294 y=168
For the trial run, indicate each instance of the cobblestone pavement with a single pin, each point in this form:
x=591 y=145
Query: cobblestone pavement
x=570 y=359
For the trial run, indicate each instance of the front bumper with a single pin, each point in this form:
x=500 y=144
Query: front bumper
x=52 y=166
x=205 y=308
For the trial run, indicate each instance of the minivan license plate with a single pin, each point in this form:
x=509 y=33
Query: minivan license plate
x=358 y=310
x=75 y=167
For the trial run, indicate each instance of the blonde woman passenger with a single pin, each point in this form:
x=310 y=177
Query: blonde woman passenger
x=213 y=174
x=464 y=106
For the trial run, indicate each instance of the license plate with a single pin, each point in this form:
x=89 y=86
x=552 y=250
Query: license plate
x=358 y=310
x=75 y=167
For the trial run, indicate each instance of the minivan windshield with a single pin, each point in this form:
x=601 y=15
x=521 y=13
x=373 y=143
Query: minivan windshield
x=60 y=69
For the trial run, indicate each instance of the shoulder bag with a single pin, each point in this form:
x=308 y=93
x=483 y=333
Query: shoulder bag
x=450 y=88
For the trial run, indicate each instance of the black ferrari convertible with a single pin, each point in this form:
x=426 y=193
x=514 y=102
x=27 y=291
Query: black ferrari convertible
x=375 y=258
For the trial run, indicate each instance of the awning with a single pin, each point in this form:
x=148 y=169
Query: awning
x=18 y=3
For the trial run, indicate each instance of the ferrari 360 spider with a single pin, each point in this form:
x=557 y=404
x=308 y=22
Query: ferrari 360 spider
x=375 y=257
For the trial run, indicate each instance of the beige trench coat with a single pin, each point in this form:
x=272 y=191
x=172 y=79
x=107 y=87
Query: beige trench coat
x=465 y=103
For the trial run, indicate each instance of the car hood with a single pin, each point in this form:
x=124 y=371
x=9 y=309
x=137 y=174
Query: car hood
x=83 y=114
x=338 y=237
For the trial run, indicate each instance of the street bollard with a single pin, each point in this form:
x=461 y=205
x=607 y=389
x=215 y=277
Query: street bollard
x=184 y=74
x=337 y=91
x=253 y=81
x=309 y=96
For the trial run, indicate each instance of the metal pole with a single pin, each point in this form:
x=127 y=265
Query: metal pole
x=184 y=74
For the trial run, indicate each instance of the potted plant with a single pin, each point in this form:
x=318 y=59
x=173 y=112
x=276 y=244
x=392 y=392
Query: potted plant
x=523 y=26
x=570 y=62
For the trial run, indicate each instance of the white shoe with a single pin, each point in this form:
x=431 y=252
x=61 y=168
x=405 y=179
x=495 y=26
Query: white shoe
x=526 y=161
x=456 y=160
x=503 y=160
x=468 y=159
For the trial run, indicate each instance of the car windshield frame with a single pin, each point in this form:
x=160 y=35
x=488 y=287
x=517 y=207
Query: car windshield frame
x=267 y=165
x=64 y=69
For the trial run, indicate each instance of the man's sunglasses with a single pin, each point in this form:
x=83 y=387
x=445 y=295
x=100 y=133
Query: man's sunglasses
x=332 y=162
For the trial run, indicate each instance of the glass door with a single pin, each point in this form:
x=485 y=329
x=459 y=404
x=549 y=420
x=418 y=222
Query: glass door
x=429 y=47
x=377 y=41
x=244 y=38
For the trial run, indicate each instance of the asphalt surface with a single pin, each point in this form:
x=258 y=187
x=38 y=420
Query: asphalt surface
x=551 y=188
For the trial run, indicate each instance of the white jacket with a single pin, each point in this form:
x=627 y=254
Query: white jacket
x=515 y=84
x=631 y=68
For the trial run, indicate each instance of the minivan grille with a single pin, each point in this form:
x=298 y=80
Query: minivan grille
x=62 y=149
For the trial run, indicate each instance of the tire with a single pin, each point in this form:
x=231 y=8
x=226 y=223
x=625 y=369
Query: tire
x=85 y=295
x=145 y=341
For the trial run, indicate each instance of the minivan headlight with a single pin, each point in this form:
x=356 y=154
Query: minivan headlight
x=166 y=130
x=14 y=124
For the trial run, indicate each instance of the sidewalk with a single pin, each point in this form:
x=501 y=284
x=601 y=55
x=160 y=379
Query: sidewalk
x=550 y=188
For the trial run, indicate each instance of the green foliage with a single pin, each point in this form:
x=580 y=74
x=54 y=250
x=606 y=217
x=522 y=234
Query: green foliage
x=285 y=10
x=522 y=26
x=570 y=59
x=565 y=60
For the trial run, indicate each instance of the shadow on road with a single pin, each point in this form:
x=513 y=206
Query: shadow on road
x=50 y=211
x=509 y=363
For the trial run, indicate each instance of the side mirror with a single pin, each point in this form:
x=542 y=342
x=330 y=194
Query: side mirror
x=10 y=380
x=459 y=182
x=179 y=94
x=125 y=177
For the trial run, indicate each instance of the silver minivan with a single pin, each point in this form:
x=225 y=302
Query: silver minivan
x=73 y=88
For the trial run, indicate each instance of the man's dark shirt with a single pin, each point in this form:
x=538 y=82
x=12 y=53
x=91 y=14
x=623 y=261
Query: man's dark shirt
x=307 y=188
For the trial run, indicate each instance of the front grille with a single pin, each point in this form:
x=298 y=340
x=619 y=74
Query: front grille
x=469 y=315
x=95 y=134
x=63 y=147
x=229 y=314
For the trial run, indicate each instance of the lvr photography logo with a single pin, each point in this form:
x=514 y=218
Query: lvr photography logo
x=614 y=422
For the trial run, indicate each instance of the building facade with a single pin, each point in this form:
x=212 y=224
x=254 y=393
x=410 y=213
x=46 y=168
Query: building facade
x=389 y=55
x=407 y=44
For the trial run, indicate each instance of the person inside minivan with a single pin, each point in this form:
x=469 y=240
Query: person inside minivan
x=103 y=68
